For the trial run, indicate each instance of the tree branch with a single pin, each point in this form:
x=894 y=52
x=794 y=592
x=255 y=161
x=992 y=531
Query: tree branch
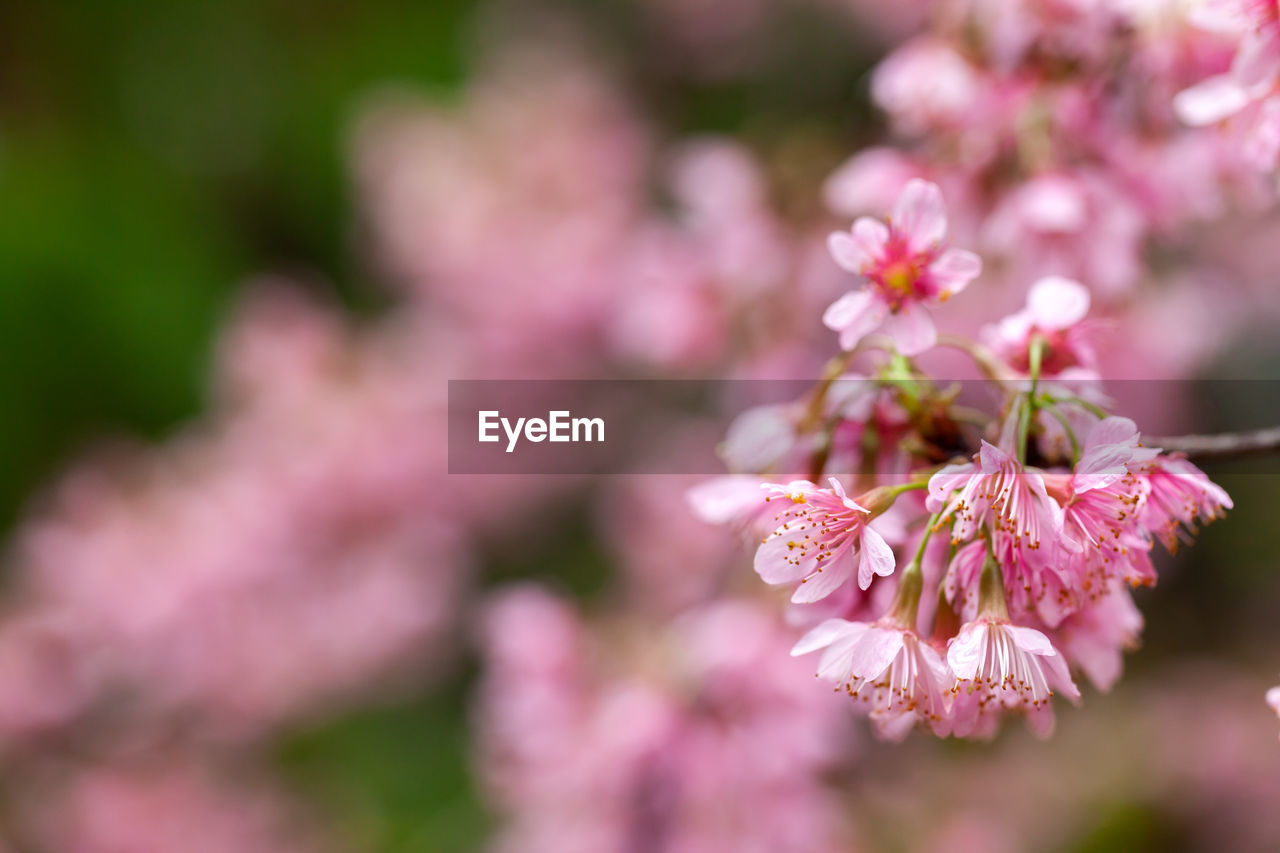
x=1228 y=445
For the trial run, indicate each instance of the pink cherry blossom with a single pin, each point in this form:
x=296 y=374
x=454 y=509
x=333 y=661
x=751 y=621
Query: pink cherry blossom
x=1095 y=638
x=997 y=486
x=1180 y=498
x=1055 y=311
x=1249 y=93
x=1010 y=667
x=1102 y=504
x=169 y=802
x=697 y=734
x=822 y=537
x=902 y=679
x=905 y=266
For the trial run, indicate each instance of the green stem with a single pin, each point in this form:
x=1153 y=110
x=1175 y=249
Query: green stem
x=913 y=486
x=1036 y=357
x=928 y=532
x=905 y=609
x=1084 y=404
x=1024 y=427
x=985 y=359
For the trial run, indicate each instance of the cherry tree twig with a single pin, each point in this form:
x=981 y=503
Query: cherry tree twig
x=1228 y=445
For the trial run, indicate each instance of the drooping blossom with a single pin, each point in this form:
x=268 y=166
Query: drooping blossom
x=1180 y=498
x=1096 y=637
x=996 y=488
x=1102 y=504
x=823 y=536
x=902 y=679
x=905 y=266
x=1009 y=667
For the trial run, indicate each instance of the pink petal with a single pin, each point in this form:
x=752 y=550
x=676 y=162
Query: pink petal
x=1054 y=203
x=1211 y=101
x=946 y=481
x=912 y=329
x=991 y=458
x=1041 y=721
x=823 y=635
x=894 y=727
x=954 y=269
x=1257 y=62
x=1099 y=660
x=776 y=559
x=920 y=216
x=861 y=247
x=868 y=181
x=854 y=315
x=818 y=585
x=1273 y=699
x=875 y=651
x=1229 y=17
x=721 y=500
x=938 y=669
x=875 y=558
x=966 y=651
x=836 y=662
x=1056 y=303
x=1059 y=677
x=1109 y=448
x=759 y=437
x=1030 y=640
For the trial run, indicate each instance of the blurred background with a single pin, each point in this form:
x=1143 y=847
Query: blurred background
x=243 y=247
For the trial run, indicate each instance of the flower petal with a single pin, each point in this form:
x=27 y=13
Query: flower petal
x=854 y=315
x=1210 y=101
x=965 y=652
x=1056 y=303
x=836 y=663
x=861 y=247
x=759 y=437
x=1030 y=640
x=944 y=482
x=721 y=500
x=1059 y=677
x=920 y=216
x=1041 y=721
x=818 y=585
x=875 y=557
x=954 y=269
x=912 y=329
x=875 y=651
x=1257 y=62
x=1109 y=448
x=778 y=559
x=823 y=635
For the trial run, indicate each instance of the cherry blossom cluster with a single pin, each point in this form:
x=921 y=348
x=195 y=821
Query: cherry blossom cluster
x=1062 y=133
x=1026 y=539
x=1246 y=97
x=622 y=733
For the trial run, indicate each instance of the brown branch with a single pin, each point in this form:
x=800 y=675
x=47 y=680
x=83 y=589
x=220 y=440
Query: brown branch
x=1228 y=445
